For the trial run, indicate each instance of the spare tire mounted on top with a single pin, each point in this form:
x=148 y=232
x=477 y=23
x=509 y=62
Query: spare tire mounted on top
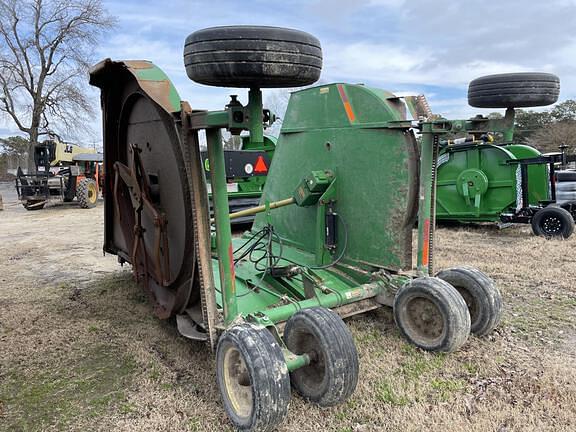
x=514 y=90
x=252 y=56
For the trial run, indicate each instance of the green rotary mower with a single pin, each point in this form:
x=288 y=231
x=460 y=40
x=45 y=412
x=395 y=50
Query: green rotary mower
x=479 y=181
x=332 y=236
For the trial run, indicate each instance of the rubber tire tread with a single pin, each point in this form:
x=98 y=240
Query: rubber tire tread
x=40 y=207
x=337 y=346
x=252 y=56
x=82 y=193
x=268 y=373
x=449 y=302
x=484 y=292
x=563 y=214
x=528 y=89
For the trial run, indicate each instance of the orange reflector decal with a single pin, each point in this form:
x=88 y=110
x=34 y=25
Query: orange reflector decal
x=260 y=166
x=232 y=270
x=346 y=102
x=426 y=245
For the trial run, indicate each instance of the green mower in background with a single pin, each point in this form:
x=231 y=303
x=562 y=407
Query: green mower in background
x=478 y=181
x=332 y=237
x=246 y=171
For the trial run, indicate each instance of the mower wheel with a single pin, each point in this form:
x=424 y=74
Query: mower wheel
x=527 y=89
x=34 y=205
x=480 y=294
x=432 y=315
x=332 y=374
x=553 y=221
x=252 y=377
x=252 y=56
x=87 y=193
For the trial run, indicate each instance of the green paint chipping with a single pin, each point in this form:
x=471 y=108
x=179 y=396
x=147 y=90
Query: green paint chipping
x=87 y=386
x=154 y=73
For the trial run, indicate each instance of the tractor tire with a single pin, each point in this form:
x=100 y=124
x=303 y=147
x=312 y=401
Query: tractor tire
x=252 y=56
x=480 y=294
x=431 y=314
x=332 y=375
x=553 y=222
x=252 y=377
x=34 y=205
x=514 y=90
x=87 y=193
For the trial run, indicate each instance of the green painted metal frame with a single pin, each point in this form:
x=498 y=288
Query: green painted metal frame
x=489 y=159
x=243 y=291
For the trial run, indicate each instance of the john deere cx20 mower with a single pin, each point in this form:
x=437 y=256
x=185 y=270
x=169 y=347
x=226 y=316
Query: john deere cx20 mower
x=332 y=235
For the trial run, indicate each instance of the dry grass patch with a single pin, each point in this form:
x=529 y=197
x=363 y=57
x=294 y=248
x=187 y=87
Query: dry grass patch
x=80 y=349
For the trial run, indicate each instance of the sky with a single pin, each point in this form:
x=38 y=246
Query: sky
x=407 y=47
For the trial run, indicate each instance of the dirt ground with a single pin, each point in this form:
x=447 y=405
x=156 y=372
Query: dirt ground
x=80 y=350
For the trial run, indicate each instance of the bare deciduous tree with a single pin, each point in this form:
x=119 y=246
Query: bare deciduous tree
x=550 y=138
x=46 y=47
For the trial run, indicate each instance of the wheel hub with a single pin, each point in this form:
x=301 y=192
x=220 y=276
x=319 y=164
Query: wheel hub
x=425 y=319
x=237 y=383
x=552 y=225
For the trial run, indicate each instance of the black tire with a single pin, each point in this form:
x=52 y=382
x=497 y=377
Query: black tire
x=568 y=205
x=33 y=205
x=252 y=56
x=553 y=221
x=528 y=89
x=87 y=193
x=480 y=294
x=249 y=361
x=332 y=374
x=432 y=315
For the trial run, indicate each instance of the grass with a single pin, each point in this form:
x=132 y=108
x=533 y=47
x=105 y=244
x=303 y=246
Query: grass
x=386 y=393
x=81 y=350
x=89 y=385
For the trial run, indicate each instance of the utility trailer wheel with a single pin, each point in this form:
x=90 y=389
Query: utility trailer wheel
x=252 y=56
x=553 y=221
x=527 y=89
x=480 y=294
x=252 y=377
x=432 y=315
x=87 y=193
x=332 y=374
x=34 y=205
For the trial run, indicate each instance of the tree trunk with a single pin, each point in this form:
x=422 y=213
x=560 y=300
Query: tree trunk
x=31 y=148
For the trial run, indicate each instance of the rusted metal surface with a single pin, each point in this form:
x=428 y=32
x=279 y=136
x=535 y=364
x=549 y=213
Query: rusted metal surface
x=136 y=179
x=148 y=208
x=152 y=80
x=201 y=223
